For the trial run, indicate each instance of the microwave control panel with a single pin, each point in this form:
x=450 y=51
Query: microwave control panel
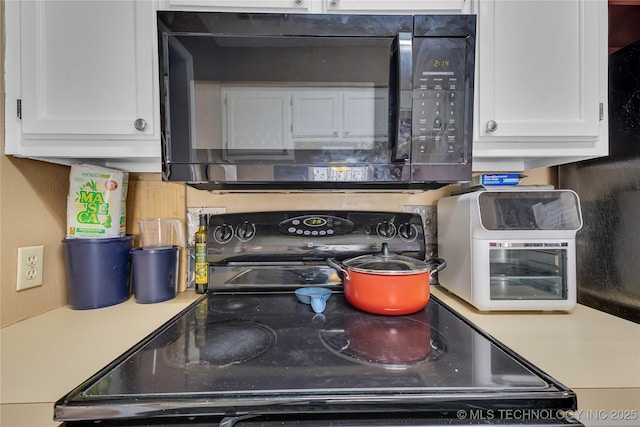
x=439 y=101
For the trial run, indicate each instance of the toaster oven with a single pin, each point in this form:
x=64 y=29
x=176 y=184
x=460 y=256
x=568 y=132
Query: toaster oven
x=510 y=249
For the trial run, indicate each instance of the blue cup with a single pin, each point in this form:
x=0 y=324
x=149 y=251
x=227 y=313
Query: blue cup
x=315 y=297
x=155 y=274
x=98 y=271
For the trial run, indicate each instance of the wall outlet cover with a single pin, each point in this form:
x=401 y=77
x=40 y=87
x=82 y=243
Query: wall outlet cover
x=30 y=265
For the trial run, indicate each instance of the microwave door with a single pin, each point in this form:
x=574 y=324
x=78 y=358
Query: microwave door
x=401 y=94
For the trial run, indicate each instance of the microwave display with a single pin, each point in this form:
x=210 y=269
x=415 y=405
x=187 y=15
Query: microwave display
x=255 y=98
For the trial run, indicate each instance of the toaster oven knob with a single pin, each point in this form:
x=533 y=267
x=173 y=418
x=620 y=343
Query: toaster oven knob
x=223 y=233
x=408 y=232
x=246 y=231
x=386 y=230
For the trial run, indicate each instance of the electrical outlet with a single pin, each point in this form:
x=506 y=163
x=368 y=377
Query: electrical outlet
x=30 y=264
x=430 y=223
x=193 y=220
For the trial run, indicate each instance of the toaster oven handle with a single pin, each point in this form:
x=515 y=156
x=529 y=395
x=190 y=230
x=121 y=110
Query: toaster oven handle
x=404 y=96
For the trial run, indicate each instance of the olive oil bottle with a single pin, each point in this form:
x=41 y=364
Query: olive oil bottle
x=202 y=267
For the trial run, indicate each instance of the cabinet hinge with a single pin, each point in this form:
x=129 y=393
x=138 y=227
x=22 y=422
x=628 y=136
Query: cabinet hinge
x=19 y=108
x=601 y=111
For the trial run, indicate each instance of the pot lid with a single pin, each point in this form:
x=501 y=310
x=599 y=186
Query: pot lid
x=387 y=262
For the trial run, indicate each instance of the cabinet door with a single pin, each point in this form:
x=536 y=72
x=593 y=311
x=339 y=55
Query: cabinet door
x=87 y=68
x=538 y=70
x=240 y=5
x=365 y=113
x=256 y=120
x=322 y=6
x=395 y=6
x=316 y=113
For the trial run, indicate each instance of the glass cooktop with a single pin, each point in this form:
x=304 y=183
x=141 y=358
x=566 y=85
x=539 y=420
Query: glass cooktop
x=250 y=352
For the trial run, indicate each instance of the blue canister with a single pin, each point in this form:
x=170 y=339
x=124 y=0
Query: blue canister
x=155 y=274
x=98 y=271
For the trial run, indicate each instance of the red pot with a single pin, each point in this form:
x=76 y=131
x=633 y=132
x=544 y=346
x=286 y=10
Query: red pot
x=387 y=283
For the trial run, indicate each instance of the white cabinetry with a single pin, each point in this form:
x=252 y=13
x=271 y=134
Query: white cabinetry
x=83 y=76
x=299 y=6
x=321 y=6
x=394 y=6
x=316 y=113
x=256 y=119
x=283 y=118
x=365 y=113
x=541 y=83
x=339 y=113
x=81 y=80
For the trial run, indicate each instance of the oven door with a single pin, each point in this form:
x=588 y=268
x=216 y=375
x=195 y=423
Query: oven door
x=527 y=275
x=526 y=271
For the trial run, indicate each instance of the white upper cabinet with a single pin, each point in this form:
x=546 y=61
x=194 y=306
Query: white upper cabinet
x=81 y=80
x=541 y=83
x=273 y=118
x=300 y=6
x=316 y=113
x=394 y=6
x=256 y=119
x=83 y=76
x=365 y=114
x=321 y=6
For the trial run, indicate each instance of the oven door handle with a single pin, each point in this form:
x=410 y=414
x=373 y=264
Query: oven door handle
x=231 y=421
x=403 y=45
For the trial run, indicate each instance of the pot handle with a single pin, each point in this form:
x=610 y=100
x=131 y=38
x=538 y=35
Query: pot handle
x=336 y=265
x=439 y=263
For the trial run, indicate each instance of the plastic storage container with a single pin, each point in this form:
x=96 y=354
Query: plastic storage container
x=155 y=274
x=98 y=271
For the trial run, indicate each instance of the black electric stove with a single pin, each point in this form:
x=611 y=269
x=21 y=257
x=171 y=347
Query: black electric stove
x=249 y=353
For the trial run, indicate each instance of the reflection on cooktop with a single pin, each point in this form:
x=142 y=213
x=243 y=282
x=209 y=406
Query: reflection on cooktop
x=395 y=342
x=232 y=305
x=318 y=275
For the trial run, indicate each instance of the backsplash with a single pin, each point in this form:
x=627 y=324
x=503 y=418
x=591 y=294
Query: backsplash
x=148 y=197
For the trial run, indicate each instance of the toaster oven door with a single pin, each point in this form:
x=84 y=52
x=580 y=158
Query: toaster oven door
x=528 y=271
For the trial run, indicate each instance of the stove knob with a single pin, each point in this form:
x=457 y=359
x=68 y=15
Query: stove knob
x=246 y=231
x=223 y=233
x=408 y=232
x=386 y=230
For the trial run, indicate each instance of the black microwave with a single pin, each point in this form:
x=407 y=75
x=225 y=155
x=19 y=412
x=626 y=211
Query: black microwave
x=304 y=101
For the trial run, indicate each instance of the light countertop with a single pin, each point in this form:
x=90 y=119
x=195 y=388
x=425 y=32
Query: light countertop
x=45 y=357
x=593 y=353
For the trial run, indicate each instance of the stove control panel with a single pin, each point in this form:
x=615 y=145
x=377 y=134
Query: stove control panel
x=311 y=236
x=316 y=225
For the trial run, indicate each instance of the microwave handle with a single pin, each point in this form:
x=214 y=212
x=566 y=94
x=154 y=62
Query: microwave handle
x=404 y=96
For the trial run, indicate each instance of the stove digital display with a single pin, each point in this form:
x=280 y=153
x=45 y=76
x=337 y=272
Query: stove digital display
x=315 y=222
x=316 y=225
